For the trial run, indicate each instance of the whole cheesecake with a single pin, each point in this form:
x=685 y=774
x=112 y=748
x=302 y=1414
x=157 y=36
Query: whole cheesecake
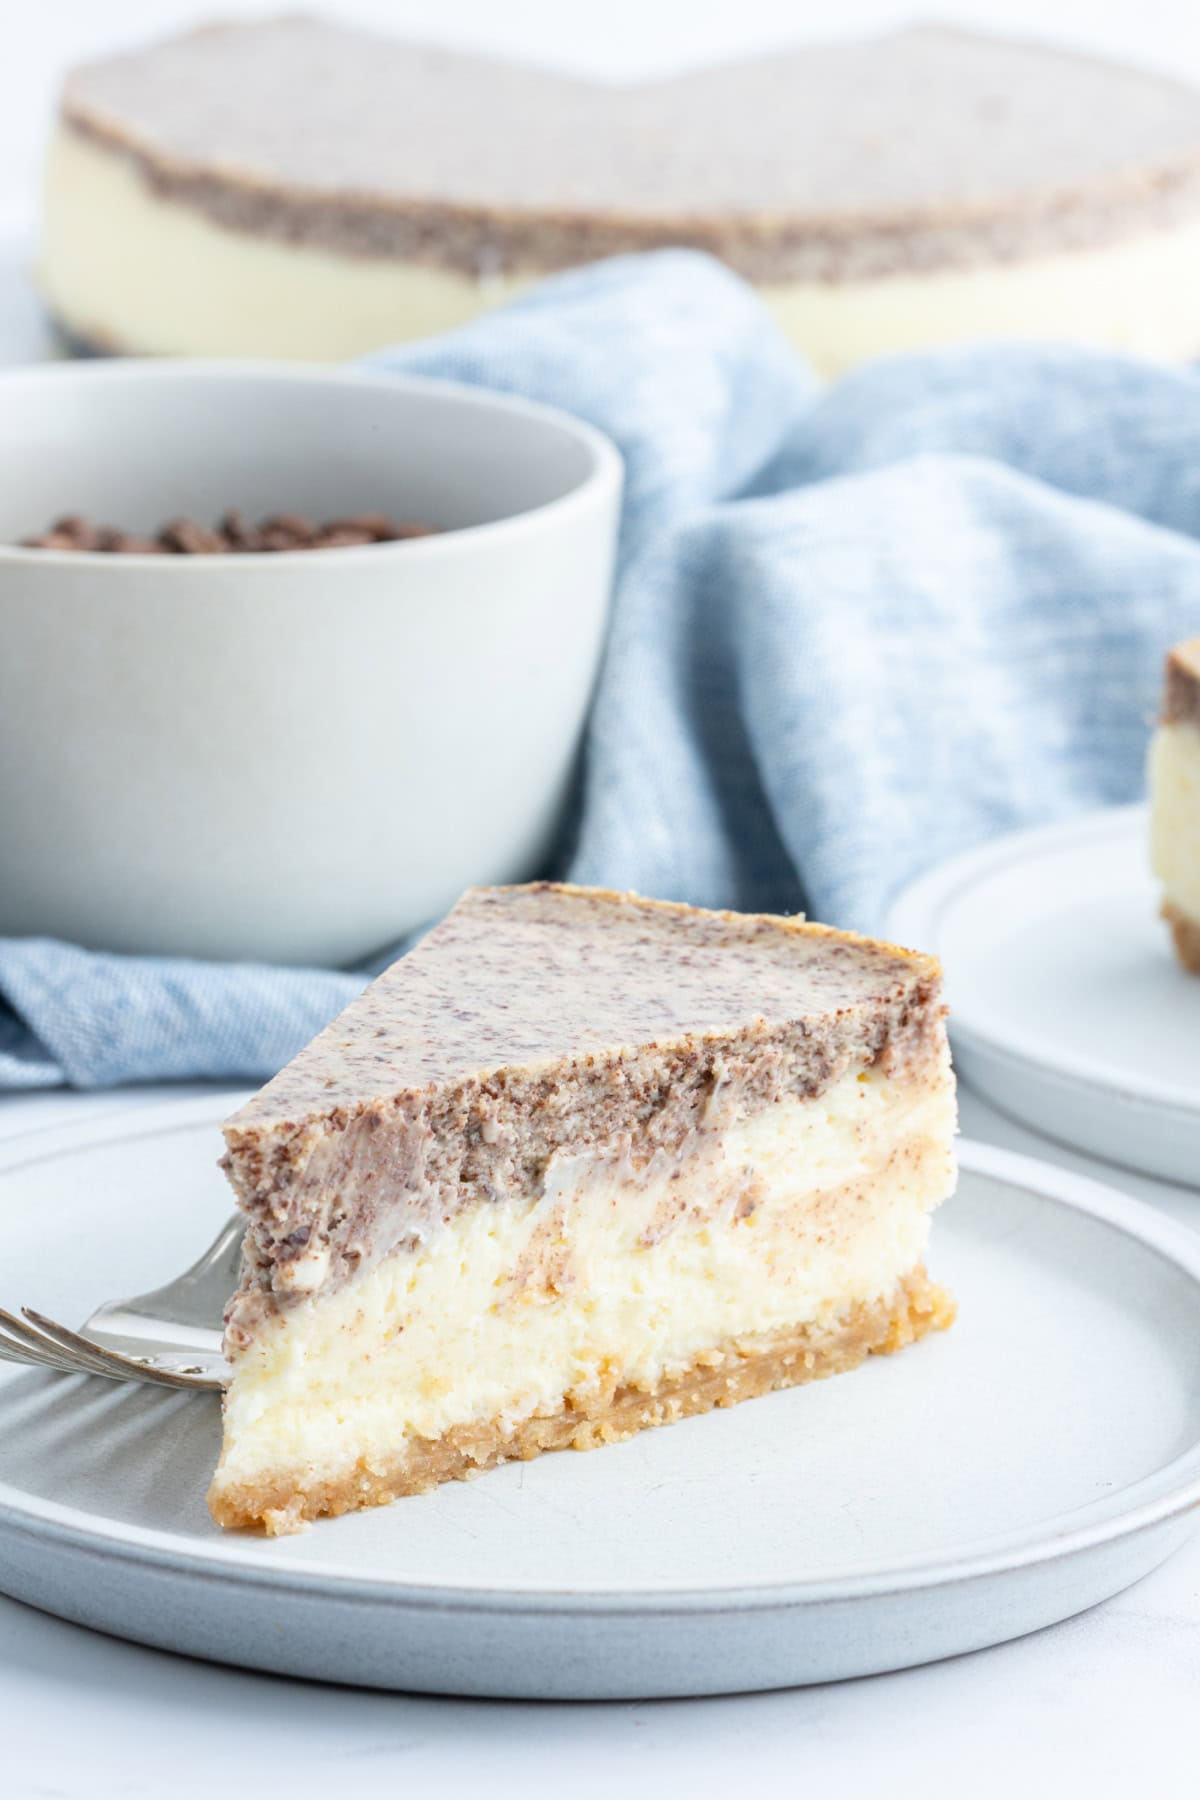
x=296 y=189
x=579 y=1164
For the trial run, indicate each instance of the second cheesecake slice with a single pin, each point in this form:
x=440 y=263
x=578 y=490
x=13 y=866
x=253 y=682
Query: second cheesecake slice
x=579 y=1164
x=1175 y=801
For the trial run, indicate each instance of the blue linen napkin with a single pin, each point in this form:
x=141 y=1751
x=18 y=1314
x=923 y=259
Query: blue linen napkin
x=856 y=629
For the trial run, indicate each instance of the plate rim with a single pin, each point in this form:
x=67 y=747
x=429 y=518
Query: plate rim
x=1155 y=1499
x=916 y=913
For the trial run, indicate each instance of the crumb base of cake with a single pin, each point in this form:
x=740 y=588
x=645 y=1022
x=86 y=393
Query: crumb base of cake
x=1185 y=932
x=282 y=1501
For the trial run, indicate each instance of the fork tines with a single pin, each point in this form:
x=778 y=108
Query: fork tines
x=37 y=1340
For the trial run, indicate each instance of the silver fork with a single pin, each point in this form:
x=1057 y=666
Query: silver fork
x=170 y=1336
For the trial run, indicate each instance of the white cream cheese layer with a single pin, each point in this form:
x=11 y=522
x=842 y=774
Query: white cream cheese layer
x=1175 y=814
x=132 y=271
x=810 y=1207
x=135 y=271
x=1133 y=295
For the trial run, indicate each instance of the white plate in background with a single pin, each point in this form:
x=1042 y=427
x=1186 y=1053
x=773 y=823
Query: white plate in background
x=1038 y=1457
x=1067 y=1007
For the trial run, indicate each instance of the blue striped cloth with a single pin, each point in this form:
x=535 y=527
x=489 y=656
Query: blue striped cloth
x=857 y=628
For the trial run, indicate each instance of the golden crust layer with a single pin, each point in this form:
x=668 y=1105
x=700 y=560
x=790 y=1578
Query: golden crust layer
x=283 y=1500
x=1186 y=933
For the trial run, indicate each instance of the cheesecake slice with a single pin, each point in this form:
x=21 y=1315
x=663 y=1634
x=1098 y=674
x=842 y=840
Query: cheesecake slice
x=287 y=187
x=579 y=1164
x=1175 y=802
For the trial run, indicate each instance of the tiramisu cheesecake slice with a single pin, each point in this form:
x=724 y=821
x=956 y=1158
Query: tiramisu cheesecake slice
x=1175 y=801
x=291 y=188
x=581 y=1163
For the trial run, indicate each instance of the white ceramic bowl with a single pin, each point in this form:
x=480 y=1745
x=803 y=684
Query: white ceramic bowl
x=294 y=757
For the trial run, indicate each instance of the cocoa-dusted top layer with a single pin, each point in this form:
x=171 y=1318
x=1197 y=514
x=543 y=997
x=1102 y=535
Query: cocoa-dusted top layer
x=524 y=977
x=1181 y=696
x=925 y=148
x=543 y=1020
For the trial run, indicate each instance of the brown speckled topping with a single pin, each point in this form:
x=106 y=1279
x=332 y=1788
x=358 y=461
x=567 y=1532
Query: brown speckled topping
x=926 y=148
x=523 y=977
x=1181 y=697
x=540 y=1021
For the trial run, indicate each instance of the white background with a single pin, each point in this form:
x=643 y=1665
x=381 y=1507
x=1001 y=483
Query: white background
x=1106 y=1705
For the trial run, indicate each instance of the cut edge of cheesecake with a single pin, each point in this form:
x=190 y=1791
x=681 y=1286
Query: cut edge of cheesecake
x=1181 y=697
x=720 y=1377
x=1175 y=801
x=734 y=1217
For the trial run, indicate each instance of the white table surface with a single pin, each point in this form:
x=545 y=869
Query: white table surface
x=1106 y=1704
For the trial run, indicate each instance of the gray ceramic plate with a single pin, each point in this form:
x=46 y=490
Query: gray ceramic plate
x=1067 y=1007
x=1037 y=1458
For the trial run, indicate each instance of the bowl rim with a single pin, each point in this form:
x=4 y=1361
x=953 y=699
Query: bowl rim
x=604 y=476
